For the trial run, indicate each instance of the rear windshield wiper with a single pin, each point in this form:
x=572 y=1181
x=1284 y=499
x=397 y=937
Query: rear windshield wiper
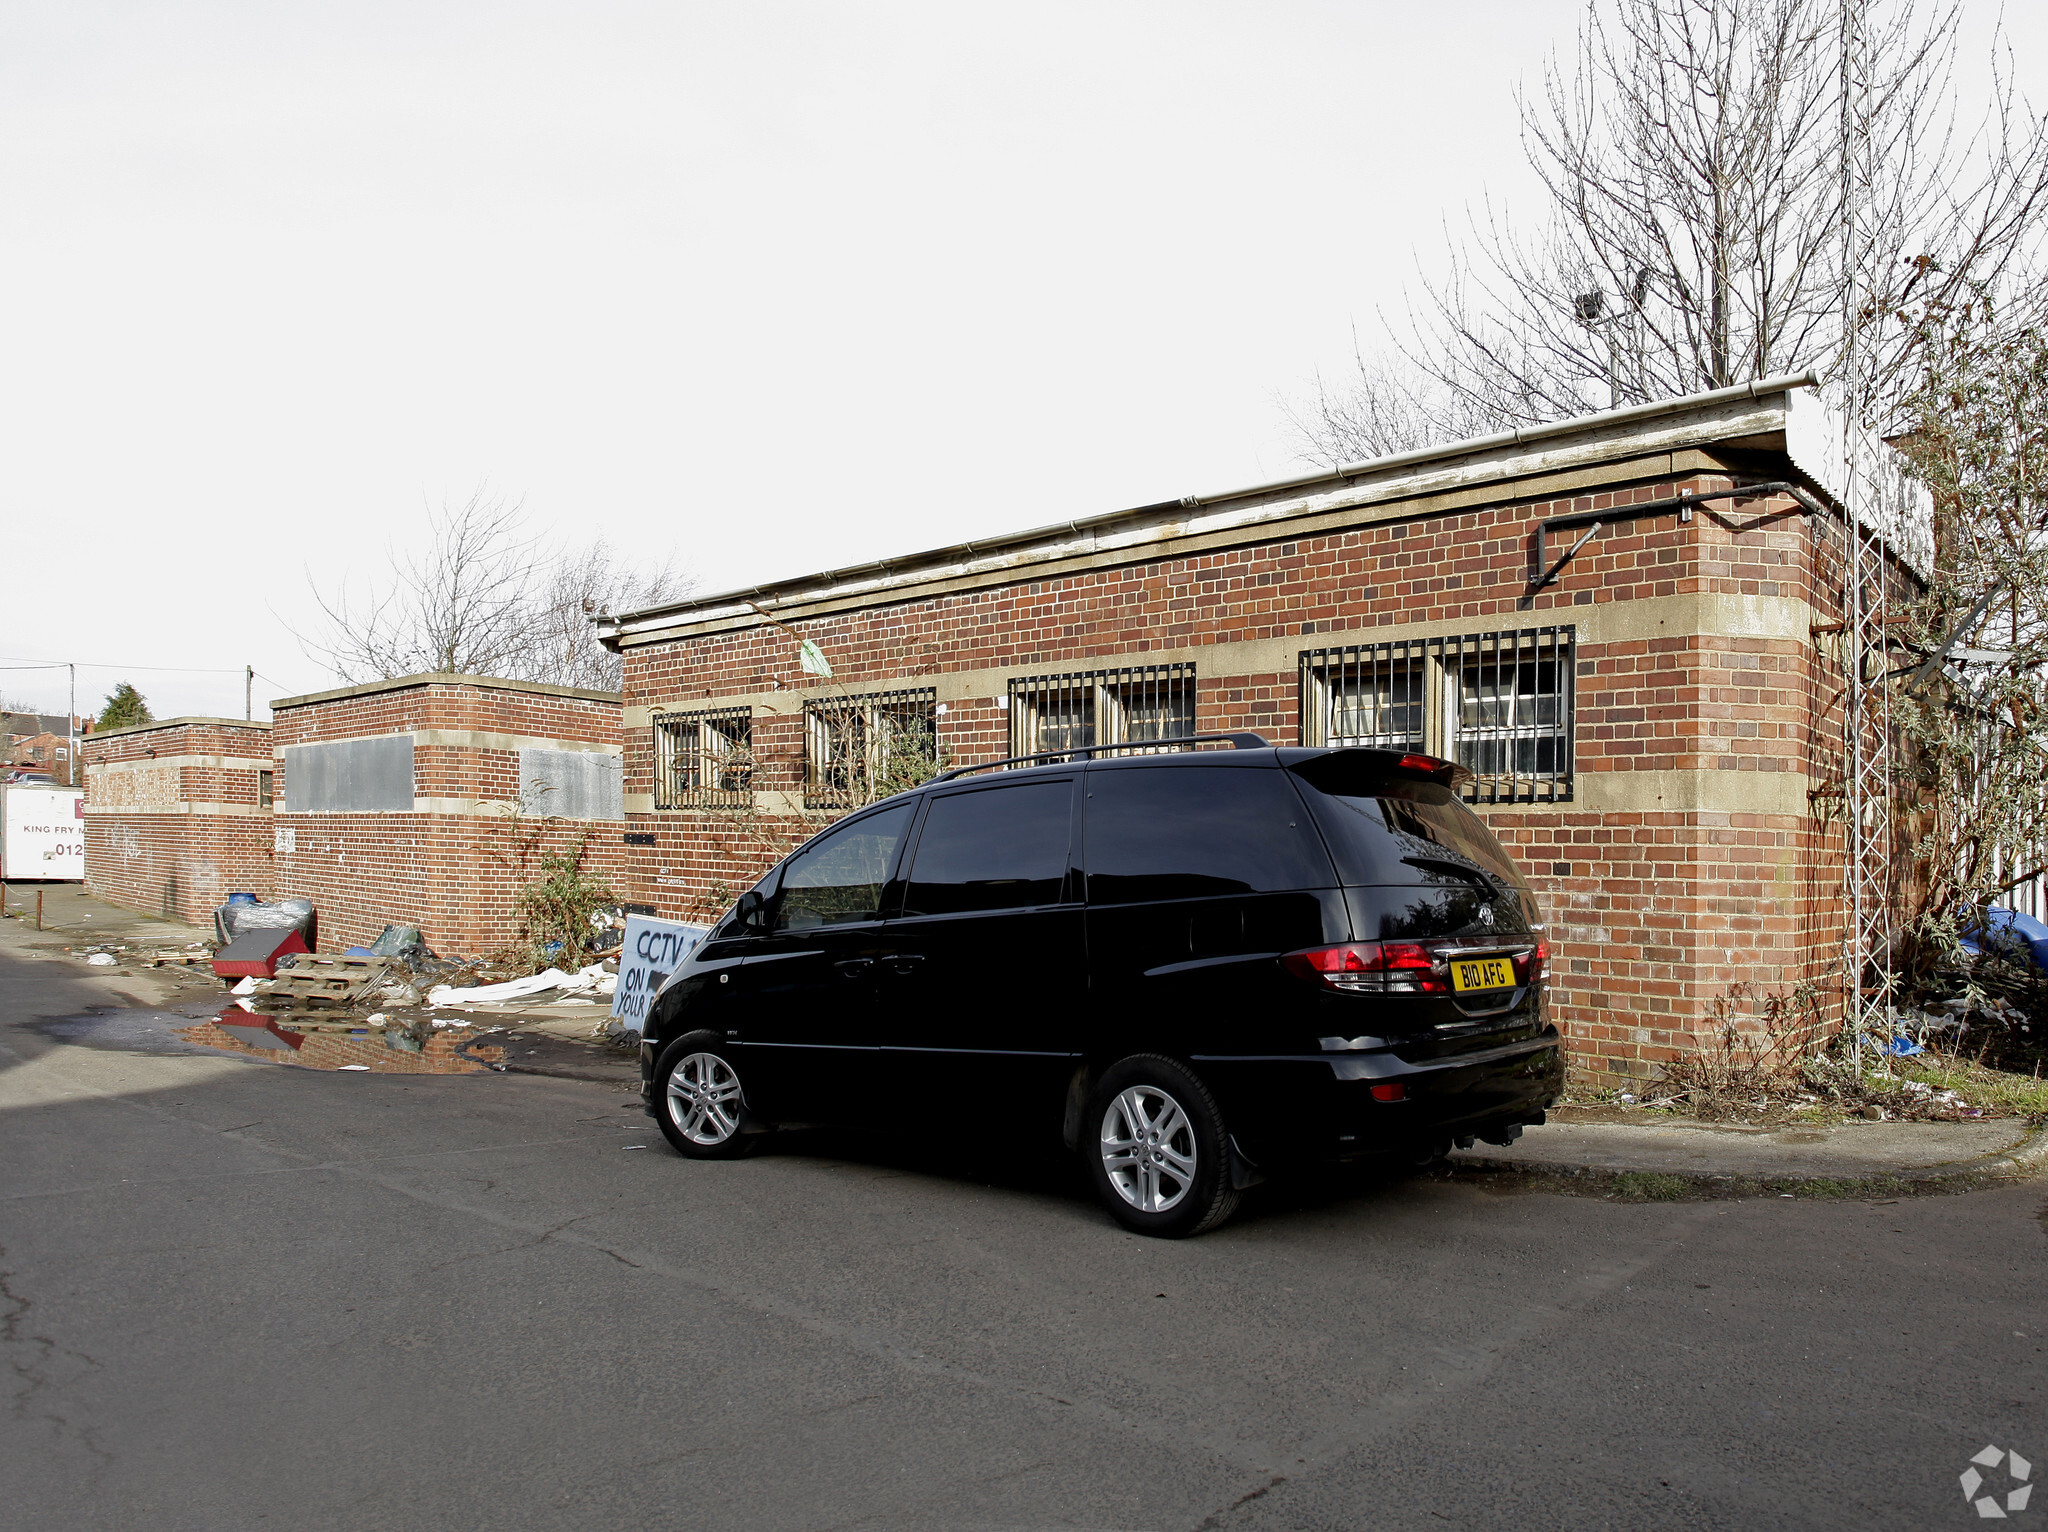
x=1463 y=869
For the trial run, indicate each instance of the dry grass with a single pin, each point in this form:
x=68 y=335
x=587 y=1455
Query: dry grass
x=1770 y=1062
x=1754 y=1068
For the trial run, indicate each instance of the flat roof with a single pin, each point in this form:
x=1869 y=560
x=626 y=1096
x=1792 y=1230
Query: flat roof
x=442 y=678
x=174 y=723
x=1720 y=416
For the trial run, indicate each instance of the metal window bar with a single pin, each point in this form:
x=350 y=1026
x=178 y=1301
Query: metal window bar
x=704 y=759
x=1366 y=694
x=1504 y=706
x=857 y=749
x=1509 y=697
x=1103 y=711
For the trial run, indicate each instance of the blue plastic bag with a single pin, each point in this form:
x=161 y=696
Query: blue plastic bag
x=2018 y=934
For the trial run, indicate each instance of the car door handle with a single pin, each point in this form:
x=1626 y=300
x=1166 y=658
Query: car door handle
x=853 y=968
x=903 y=962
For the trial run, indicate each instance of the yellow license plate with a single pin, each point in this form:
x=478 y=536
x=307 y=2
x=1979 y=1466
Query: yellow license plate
x=1482 y=973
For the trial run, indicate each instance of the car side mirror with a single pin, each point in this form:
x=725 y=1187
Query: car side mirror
x=748 y=911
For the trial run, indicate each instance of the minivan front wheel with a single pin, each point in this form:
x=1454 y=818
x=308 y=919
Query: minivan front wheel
x=1158 y=1152
x=701 y=1100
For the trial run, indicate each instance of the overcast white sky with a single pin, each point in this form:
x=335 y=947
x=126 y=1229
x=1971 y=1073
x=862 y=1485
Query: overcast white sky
x=781 y=286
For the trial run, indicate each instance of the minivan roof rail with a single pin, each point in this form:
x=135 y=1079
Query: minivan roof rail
x=1242 y=740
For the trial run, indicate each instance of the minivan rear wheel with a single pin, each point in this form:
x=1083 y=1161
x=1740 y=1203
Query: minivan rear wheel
x=699 y=1100
x=1157 y=1149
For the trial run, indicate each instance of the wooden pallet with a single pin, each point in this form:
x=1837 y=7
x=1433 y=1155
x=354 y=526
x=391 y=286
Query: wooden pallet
x=314 y=980
x=322 y=1021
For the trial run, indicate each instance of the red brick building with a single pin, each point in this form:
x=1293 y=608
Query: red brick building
x=426 y=800
x=177 y=814
x=1652 y=727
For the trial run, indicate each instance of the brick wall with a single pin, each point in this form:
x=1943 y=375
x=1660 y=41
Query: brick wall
x=452 y=864
x=1688 y=877
x=173 y=818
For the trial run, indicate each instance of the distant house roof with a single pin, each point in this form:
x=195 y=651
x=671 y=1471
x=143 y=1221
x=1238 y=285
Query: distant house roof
x=22 y=725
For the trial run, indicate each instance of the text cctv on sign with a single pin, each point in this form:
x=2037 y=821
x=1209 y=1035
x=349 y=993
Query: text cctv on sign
x=653 y=949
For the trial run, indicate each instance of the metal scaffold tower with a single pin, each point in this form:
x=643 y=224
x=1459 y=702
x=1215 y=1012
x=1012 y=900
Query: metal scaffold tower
x=1867 y=759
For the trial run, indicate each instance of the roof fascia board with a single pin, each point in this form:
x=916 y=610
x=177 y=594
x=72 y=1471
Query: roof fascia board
x=1655 y=468
x=1697 y=418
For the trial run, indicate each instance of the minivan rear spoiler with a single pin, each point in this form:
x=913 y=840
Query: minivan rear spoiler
x=1347 y=759
x=1238 y=741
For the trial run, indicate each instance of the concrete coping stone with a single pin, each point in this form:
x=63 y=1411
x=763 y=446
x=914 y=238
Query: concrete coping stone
x=1680 y=1160
x=174 y=723
x=445 y=678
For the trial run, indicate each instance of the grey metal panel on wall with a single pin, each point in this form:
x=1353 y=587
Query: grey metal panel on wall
x=572 y=784
x=350 y=776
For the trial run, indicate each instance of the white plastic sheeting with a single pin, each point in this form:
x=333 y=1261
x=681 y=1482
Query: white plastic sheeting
x=592 y=980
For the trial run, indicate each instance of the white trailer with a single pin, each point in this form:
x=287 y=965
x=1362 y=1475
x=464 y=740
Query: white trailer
x=42 y=834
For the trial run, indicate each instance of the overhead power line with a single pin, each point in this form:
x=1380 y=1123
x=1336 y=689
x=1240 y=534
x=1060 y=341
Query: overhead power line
x=189 y=670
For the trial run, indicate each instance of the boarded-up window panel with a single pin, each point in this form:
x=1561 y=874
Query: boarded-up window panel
x=571 y=784
x=350 y=776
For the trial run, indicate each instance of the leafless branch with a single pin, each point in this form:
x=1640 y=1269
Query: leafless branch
x=484 y=595
x=1690 y=161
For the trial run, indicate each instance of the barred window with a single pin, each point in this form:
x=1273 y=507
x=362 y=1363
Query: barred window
x=1513 y=712
x=858 y=749
x=1498 y=703
x=1368 y=694
x=1095 y=709
x=704 y=759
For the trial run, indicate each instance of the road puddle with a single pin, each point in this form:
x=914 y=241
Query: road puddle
x=438 y=1051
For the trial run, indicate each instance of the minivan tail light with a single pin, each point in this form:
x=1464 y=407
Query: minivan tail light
x=1377 y=968
x=1437 y=770
x=1533 y=966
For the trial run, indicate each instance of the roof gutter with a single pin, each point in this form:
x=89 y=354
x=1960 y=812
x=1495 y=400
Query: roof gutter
x=612 y=626
x=1520 y=436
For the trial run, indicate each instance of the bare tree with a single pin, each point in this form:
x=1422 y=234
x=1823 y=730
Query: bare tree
x=1973 y=700
x=578 y=587
x=460 y=604
x=1691 y=163
x=485 y=595
x=1385 y=407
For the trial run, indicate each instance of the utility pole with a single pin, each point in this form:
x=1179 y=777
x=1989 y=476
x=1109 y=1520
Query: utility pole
x=73 y=777
x=248 y=694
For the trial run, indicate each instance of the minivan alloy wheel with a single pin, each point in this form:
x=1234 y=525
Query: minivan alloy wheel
x=704 y=1099
x=1148 y=1149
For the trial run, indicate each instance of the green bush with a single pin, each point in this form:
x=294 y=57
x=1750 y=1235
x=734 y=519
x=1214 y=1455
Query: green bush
x=557 y=905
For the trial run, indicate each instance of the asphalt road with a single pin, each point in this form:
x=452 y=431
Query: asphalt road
x=238 y=1295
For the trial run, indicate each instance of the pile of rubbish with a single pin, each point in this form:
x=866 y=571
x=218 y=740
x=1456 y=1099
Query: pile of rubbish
x=395 y=984
x=113 y=954
x=245 y=912
x=396 y=987
x=1881 y=1095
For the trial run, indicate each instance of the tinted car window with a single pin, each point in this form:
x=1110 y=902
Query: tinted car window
x=998 y=848
x=1384 y=829
x=1163 y=832
x=839 y=877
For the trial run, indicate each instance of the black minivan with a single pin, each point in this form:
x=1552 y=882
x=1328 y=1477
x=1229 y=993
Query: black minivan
x=1203 y=966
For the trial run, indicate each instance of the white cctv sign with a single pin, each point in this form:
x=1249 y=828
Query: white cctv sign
x=653 y=950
